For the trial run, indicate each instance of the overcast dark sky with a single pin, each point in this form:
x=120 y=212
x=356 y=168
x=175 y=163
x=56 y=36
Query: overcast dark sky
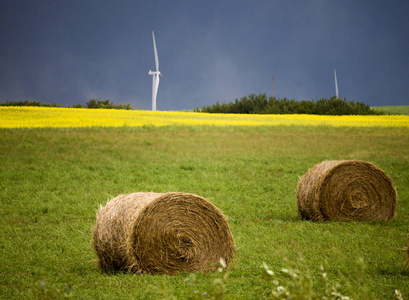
x=68 y=52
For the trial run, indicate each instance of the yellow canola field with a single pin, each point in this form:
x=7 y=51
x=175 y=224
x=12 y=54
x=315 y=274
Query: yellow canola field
x=37 y=117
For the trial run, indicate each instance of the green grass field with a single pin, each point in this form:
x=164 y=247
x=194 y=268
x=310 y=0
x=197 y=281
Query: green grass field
x=52 y=182
x=393 y=110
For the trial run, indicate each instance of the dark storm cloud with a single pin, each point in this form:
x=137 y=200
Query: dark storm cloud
x=71 y=51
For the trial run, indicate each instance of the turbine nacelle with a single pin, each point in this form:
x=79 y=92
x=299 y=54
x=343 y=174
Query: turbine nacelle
x=155 y=73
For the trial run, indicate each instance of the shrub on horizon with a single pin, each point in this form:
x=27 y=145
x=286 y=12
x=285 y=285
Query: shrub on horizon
x=92 y=103
x=259 y=104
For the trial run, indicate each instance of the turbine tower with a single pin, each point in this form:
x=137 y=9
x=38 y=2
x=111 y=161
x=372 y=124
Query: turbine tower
x=336 y=84
x=156 y=75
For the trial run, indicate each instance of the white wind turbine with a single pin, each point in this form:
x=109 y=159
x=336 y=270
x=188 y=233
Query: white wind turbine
x=156 y=75
x=336 y=84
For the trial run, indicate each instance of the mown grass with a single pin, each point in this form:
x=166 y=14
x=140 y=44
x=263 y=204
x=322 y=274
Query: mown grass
x=394 y=110
x=52 y=181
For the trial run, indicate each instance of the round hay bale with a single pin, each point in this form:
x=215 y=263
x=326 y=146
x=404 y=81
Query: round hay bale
x=161 y=233
x=346 y=190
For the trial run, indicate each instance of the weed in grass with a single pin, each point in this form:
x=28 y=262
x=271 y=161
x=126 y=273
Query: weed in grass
x=216 y=288
x=399 y=295
x=289 y=282
x=46 y=292
x=293 y=282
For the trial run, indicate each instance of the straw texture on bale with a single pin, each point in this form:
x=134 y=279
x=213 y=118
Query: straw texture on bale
x=161 y=233
x=346 y=190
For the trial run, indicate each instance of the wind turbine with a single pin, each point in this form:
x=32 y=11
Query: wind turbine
x=156 y=75
x=336 y=84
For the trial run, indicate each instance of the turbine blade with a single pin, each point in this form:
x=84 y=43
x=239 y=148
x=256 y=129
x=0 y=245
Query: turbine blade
x=156 y=52
x=336 y=83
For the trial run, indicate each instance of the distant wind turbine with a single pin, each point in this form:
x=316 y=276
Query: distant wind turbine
x=336 y=84
x=156 y=75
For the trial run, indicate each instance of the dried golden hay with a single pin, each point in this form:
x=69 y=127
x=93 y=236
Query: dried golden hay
x=161 y=233
x=346 y=190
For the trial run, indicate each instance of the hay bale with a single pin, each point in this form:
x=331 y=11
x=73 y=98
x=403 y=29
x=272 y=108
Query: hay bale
x=161 y=233
x=346 y=190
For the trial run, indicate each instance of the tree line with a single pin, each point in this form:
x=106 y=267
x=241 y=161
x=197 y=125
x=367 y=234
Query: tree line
x=252 y=104
x=92 y=103
x=260 y=104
